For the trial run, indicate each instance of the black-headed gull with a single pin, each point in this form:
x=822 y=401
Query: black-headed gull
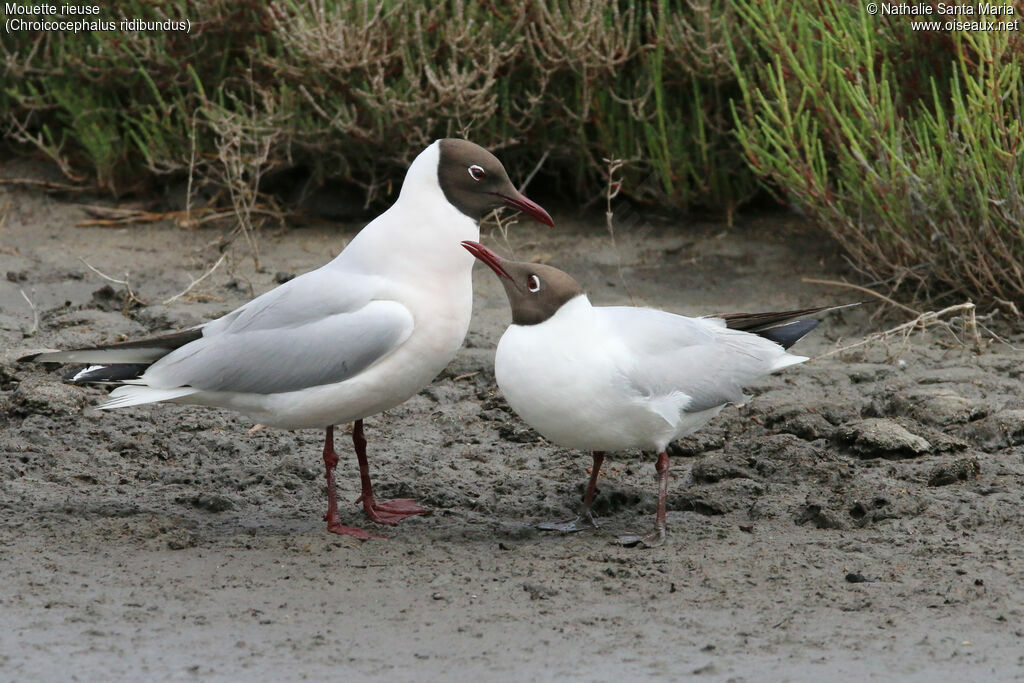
x=353 y=338
x=608 y=378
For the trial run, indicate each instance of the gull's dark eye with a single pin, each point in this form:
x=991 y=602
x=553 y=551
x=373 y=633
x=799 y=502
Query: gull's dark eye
x=533 y=283
x=477 y=172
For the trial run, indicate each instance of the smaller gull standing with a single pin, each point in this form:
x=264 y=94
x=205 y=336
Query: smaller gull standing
x=348 y=340
x=608 y=378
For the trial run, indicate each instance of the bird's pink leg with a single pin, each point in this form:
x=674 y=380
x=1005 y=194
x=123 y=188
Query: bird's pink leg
x=387 y=511
x=588 y=497
x=333 y=525
x=657 y=537
x=586 y=517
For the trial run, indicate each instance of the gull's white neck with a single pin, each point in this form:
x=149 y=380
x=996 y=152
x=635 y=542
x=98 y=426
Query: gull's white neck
x=420 y=234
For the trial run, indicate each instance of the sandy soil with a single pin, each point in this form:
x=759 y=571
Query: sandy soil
x=167 y=542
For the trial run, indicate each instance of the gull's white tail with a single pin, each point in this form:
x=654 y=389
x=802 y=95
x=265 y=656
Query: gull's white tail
x=134 y=394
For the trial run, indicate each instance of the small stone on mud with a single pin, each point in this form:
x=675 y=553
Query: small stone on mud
x=718 y=466
x=868 y=372
x=960 y=469
x=881 y=438
x=44 y=396
x=539 y=592
x=517 y=433
x=212 y=502
x=708 y=668
x=820 y=517
x=998 y=431
x=9 y=379
x=857 y=577
x=937 y=406
x=808 y=426
x=696 y=444
x=179 y=539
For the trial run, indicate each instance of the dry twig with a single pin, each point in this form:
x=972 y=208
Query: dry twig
x=35 y=314
x=612 y=190
x=840 y=283
x=923 y=321
x=47 y=185
x=130 y=295
x=197 y=280
x=544 y=157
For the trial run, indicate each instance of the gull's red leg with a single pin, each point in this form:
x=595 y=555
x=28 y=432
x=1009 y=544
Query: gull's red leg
x=330 y=463
x=586 y=517
x=386 y=511
x=657 y=537
x=588 y=497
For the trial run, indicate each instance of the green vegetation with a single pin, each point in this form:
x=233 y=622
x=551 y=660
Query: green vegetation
x=902 y=144
x=354 y=89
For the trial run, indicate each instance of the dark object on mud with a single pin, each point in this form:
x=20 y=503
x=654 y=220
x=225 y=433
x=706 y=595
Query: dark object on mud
x=961 y=469
x=695 y=444
x=820 y=516
x=539 y=592
x=857 y=577
x=212 y=502
x=998 y=431
x=34 y=396
x=518 y=433
x=106 y=298
x=613 y=498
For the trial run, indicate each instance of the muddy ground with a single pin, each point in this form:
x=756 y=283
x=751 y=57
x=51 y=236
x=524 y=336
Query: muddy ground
x=169 y=542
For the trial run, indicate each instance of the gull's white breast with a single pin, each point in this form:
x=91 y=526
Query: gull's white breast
x=564 y=378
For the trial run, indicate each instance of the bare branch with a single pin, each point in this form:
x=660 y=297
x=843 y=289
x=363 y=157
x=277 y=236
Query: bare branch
x=197 y=280
x=35 y=314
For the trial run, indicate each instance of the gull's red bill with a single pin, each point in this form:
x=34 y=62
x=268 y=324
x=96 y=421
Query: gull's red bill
x=529 y=207
x=492 y=260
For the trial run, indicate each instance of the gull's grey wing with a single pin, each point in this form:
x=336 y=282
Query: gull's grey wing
x=312 y=350
x=311 y=296
x=663 y=354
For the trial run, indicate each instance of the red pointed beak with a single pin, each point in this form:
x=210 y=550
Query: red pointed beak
x=529 y=207
x=492 y=260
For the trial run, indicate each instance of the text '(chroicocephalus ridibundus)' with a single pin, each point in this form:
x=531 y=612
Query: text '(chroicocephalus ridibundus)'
x=616 y=377
x=353 y=338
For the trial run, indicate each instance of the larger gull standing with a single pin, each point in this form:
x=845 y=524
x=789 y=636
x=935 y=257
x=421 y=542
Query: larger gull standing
x=348 y=340
x=608 y=378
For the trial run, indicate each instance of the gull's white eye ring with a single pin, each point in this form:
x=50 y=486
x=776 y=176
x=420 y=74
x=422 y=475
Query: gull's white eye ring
x=477 y=173
x=533 y=283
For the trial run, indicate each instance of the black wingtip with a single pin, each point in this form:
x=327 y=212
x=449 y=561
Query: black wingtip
x=29 y=358
x=790 y=333
x=106 y=374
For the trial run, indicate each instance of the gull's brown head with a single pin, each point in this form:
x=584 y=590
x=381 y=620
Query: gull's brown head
x=475 y=182
x=535 y=291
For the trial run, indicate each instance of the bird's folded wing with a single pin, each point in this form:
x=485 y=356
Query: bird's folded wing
x=291 y=345
x=309 y=297
x=663 y=354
